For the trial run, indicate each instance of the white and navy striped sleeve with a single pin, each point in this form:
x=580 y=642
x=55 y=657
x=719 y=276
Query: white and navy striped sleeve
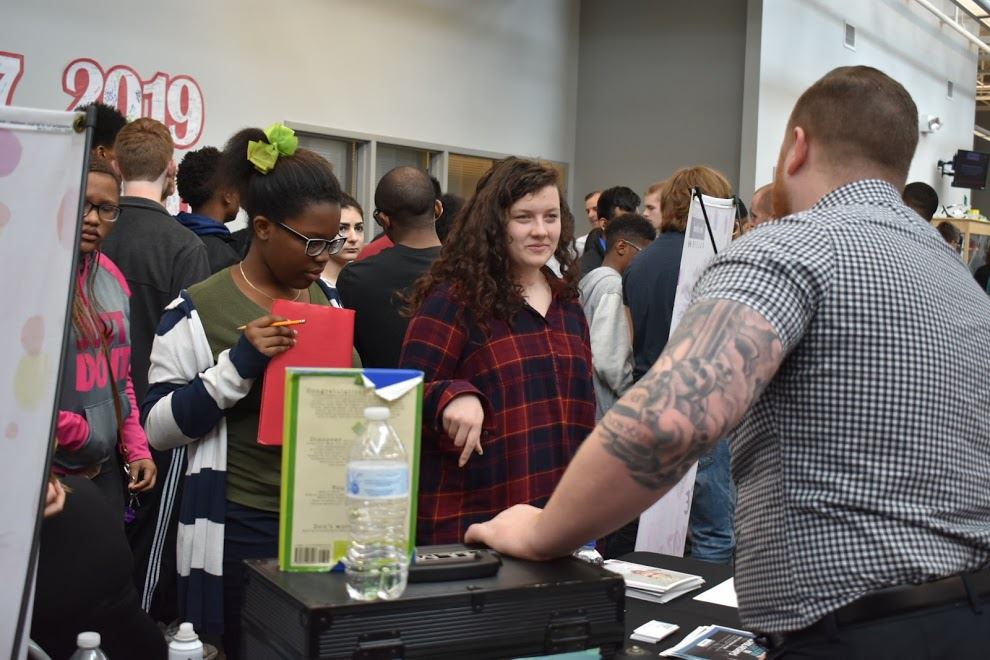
x=187 y=393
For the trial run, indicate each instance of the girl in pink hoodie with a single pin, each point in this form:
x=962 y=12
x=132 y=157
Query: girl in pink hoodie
x=98 y=416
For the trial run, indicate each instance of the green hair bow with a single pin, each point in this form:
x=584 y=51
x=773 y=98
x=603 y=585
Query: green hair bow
x=282 y=141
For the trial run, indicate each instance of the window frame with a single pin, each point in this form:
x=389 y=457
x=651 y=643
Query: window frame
x=366 y=151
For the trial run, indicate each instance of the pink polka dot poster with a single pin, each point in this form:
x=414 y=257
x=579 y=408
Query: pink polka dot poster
x=41 y=169
x=10 y=151
x=66 y=224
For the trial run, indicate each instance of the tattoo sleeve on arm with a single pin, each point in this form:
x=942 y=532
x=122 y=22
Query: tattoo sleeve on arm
x=714 y=367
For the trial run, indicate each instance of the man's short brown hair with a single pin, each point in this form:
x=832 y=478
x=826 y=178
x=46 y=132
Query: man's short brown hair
x=676 y=199
x=859 y=116
x=143 y=149
x=656 y=188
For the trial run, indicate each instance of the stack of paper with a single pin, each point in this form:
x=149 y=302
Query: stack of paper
x=653 y=631
x=716 y=643
x=657 y=585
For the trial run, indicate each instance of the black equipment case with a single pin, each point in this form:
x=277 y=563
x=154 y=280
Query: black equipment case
x=526 y=609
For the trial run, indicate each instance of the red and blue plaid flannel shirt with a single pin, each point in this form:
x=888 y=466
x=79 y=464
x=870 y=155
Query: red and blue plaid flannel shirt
x=533 y=376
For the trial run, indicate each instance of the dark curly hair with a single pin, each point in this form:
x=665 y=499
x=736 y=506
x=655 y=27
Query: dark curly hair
x=196 y=178
x=474 y=260
x=109 y=121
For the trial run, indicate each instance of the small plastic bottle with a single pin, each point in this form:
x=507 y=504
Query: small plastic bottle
x=377 y=563
x=88 y=647
x=186 y=644
x=589 y=553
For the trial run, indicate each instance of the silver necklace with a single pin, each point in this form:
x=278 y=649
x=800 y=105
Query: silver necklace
x=240 y=266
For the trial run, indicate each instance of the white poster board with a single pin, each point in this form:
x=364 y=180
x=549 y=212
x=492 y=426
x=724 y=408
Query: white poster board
x=663 y=527
x=41 y=164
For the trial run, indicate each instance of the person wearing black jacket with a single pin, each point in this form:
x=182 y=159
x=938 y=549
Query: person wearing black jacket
x=158 y=257
x=407 y=208
x=84 y=578
x=212 y=205
x=612 y=203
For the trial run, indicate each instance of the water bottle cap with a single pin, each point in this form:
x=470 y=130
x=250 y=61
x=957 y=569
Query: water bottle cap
x=186 y=633
x=88 y=640
x=376 y=414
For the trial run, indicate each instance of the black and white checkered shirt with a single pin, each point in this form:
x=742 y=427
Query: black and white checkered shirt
x=866 y=462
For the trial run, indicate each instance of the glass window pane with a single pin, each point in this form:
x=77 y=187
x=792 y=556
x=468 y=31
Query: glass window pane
x=978 y=246
x=340 y=153
x=390 y=156
x=463 y=173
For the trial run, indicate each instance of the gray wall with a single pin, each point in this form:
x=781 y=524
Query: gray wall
x=660 y=86
x=497 y=76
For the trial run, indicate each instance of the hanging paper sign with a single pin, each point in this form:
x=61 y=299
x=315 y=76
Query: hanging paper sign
x=663 y=527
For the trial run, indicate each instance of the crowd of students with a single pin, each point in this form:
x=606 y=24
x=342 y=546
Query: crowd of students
x=527 y=336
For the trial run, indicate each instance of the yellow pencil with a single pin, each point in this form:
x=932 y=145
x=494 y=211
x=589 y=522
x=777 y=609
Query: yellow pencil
x=280 y=324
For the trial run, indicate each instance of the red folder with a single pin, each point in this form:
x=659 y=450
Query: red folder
x=325 y=340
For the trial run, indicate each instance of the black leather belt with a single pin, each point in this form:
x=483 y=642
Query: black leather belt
x=911 y=597
x=899 y=600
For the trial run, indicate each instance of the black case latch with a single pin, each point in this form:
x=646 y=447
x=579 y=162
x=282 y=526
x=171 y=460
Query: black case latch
x=567 y=631
x=379 y=646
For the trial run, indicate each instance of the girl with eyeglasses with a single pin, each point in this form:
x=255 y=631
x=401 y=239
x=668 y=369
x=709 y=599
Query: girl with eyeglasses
x=98 y=416
x=206 y=375
x=505 y=348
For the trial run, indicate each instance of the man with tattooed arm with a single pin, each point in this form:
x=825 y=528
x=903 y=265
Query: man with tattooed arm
x=843 y=348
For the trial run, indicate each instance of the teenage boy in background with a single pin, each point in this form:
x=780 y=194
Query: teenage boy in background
x=601 y=297
x=612 y=203
x=212 y=206
x=109 y=121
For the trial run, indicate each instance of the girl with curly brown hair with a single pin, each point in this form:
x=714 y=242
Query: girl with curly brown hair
x=504 y=345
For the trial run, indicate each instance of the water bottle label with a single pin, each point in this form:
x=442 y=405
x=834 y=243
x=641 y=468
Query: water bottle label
x=377 y=480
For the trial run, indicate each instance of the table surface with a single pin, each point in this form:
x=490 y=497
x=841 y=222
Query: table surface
x=683 y=611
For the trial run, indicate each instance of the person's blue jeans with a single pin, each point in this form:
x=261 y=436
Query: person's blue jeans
x=713 y=508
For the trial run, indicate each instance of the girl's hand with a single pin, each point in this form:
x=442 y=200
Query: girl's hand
x=54 y=499
x=462 y=421
x=143 y=474
x=268 y=340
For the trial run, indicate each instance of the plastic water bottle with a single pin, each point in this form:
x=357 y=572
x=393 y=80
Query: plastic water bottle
x=589 y=553
x=377 y=563
x=88 y=647
x=186 y=644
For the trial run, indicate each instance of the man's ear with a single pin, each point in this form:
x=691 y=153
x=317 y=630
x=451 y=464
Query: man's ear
x=437 y=209
x=797 y=154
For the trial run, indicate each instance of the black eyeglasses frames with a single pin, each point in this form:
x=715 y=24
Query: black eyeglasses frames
x=106 y=212
x=316 y=246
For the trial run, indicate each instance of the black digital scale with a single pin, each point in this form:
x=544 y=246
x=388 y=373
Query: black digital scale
x=460 y=603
